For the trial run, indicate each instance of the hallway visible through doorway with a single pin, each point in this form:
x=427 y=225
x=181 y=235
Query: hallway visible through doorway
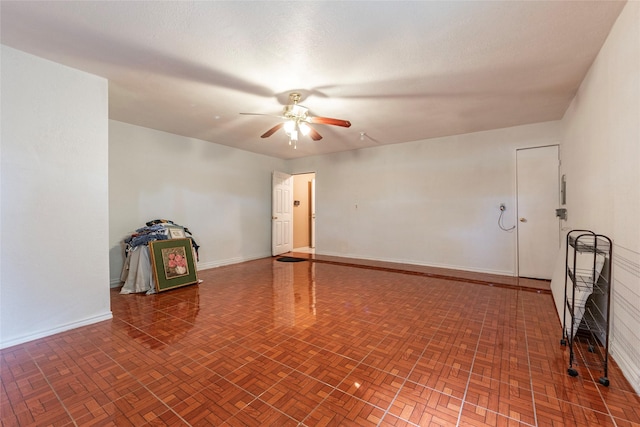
x=304 y=212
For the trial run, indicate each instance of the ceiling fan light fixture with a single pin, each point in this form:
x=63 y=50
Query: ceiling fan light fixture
x=289 y=126
x=299 y=111
x=304 y=128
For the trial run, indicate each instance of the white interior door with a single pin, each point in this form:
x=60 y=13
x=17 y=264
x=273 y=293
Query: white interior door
x=281 y=213
x=313 y=213
x=538 y=197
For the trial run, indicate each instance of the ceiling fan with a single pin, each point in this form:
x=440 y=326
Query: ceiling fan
x=297 y=120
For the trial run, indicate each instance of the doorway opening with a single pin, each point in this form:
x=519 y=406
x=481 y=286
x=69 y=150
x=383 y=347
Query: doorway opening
x=304 y=213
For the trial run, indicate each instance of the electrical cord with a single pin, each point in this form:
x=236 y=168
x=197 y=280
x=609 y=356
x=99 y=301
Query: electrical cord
x=500 y=222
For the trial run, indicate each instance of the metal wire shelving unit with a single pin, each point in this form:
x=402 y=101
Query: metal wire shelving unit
x=587 y=297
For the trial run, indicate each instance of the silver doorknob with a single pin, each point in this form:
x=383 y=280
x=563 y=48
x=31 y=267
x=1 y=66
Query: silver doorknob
x=523 y=219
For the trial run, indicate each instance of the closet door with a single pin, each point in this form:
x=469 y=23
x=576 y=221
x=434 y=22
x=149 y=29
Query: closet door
x=538 y=198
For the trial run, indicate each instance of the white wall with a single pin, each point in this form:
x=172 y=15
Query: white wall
x=221 y=194
x=601 y=152
x=54 y=193
x=433 y=202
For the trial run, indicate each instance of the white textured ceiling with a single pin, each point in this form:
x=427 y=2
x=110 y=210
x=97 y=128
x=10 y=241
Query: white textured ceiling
x=399 y=71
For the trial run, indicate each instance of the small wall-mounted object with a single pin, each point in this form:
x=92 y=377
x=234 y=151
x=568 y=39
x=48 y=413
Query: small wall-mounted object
x=561 y=213
x=563 y=190
x=296 y=203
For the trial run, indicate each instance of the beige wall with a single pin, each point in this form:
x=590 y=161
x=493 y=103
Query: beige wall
x=601 y=159
x=301 y=213
x=221 y=194
x=431 y=202
x=54 y=198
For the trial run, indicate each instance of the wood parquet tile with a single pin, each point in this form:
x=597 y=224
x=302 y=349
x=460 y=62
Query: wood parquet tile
x=324 y=342
x=424 y=405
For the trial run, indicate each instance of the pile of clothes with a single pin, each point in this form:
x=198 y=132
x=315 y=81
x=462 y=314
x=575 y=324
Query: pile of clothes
x=158 y=229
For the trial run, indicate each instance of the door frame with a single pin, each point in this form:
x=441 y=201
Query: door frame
x=291 y=228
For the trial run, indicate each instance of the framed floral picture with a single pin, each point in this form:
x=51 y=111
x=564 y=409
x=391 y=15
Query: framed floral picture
x=172 y=263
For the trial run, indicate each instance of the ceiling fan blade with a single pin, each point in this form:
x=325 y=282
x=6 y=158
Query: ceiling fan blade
x=271 y=131
x=314 y=134
x=330 y=121
x=260 y=114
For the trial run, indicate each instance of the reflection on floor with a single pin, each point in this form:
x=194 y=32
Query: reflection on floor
x=314 y=343
x=541 y=286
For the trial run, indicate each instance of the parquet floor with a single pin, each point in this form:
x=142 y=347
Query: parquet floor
x=267 y=343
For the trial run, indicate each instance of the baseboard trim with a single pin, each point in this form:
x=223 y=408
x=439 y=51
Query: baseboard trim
x=422 y=264
x=229 y=261
x=62 y=328
x=116 y=282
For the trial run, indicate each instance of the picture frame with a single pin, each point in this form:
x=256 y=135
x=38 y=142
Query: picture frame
x=176 y=233
x=172 y=263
